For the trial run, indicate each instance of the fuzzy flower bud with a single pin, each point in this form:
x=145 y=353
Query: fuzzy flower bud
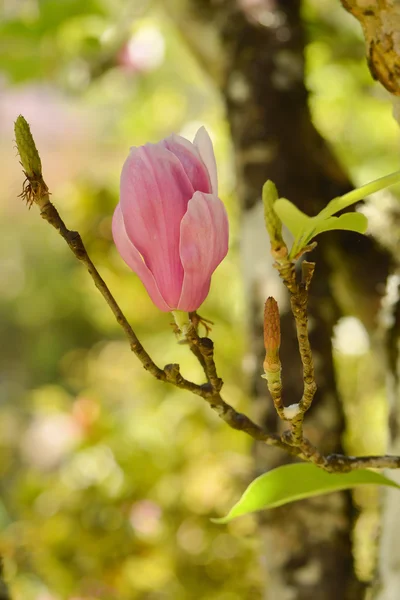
x=27 y=150
x=34 y=188
x=272 y=335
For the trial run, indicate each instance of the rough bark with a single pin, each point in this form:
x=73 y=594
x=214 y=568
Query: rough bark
x=260 y=73
x=308 y=545
x=381 y=26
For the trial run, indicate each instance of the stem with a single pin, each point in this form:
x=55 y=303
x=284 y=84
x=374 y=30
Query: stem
x=182 y=320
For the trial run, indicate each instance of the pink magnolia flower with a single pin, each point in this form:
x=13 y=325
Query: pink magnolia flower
x=170 y=227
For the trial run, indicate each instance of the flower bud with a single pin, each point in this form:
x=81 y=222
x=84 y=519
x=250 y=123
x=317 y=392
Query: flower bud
x=170 y=227
x=272 y=221
x=272 y=335
x=27 y=150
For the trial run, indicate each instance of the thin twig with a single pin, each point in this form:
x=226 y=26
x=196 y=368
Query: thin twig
x=298 y=302
x=340 y=463
x=204 y=346
x=196 y=352
x=195 y=320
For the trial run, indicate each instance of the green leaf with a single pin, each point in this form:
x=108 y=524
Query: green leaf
x=294 y=219
x=349 y=222
x=296 y=482
x=304 y=228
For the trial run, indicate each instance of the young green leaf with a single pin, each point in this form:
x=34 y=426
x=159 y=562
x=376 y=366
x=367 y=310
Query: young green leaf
x=294 y=219
x=304 y=228
x=296 y=482
x=350 y=222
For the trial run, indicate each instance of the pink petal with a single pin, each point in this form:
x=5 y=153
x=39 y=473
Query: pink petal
x=204 y=243
x=203 y=143
x=133 y=259
x=155 y=192
x=190 y=159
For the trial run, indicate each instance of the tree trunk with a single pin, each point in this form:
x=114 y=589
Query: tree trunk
x=308 y=550
x=387 y=584
x=381 y=27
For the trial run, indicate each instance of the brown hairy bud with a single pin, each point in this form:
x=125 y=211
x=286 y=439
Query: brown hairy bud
x=272 y=335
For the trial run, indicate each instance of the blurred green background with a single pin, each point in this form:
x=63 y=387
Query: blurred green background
x=109 y=478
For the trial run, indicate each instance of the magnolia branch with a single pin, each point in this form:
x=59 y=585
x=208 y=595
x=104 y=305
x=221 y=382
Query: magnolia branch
x=170 y=373
x=36 y=191
x=298 y=301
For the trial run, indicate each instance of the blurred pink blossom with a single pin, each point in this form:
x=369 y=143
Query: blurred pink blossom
x=144 y=52
x=170 y=227
x=49 y=439
x=145 y=518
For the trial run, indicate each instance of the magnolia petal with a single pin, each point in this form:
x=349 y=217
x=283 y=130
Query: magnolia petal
x=190 y=159
x=203 y=143
x=203 y=245
x=154 y=195
x=133 y=259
